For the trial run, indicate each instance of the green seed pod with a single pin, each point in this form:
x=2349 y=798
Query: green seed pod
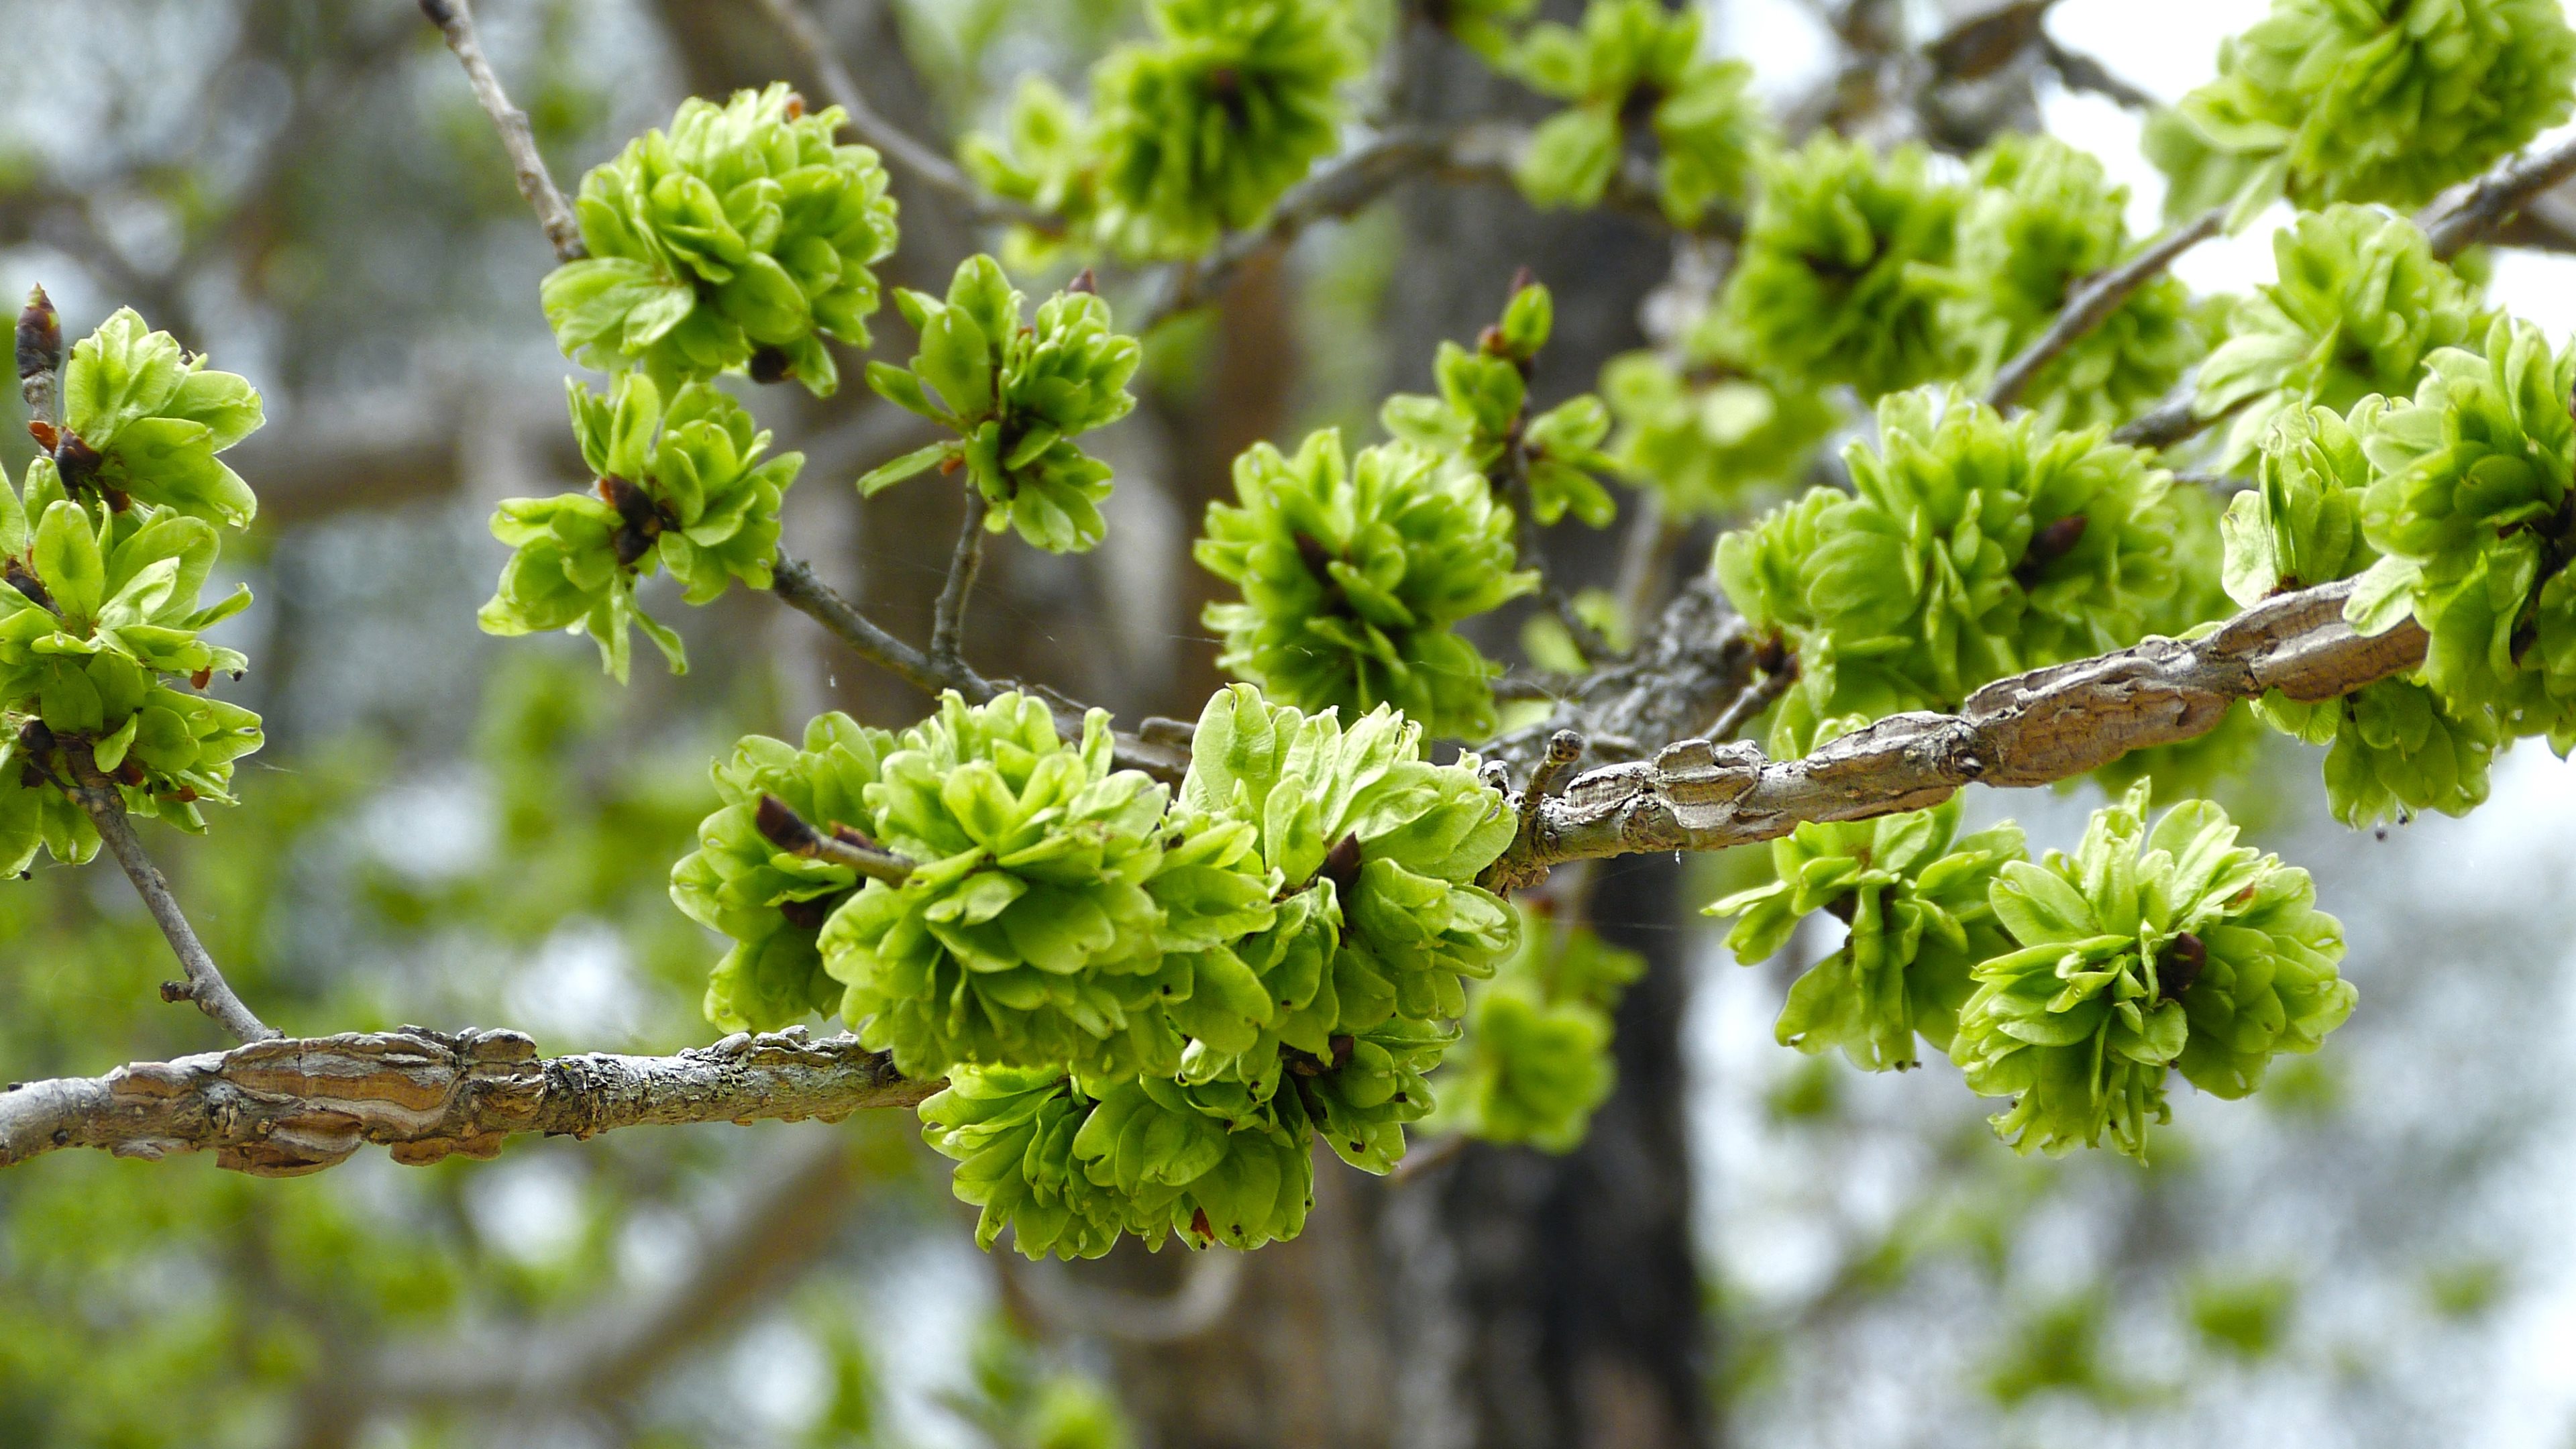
x=2471 y=511
x=1634 y=61
x=2041 y=221
x=2392 y=746
x=2142 y=952
x=1025 y=934
x=1482 y=415
x=2357 y=305
x=740 y=240
x=1844 y=269
x=2365 y=100
x=1535 y=1062
x=1913 y=893
x=1016 y=396
x=771 y=901
x=1200 y=129
x=143 y=419
x=1972 y=547
x=1209 y=1163
x=1353 y=575
x=682 y=487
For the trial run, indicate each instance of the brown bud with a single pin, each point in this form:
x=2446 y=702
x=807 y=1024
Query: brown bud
x=1342 y=864
x=2179 y=964
x=780 y=825
x=76 y=460
x=769 y=364
x=1084 y=281
x=2052 y=542
x=40 y=336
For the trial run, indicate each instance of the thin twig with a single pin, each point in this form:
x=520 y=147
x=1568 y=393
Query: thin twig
x=948 y=619
x=1755 y=697
x=2167 y=423
x=2095 y=301
x=2492 y=202
x=1424 y=1158
x=1646 y=556
x=1515 y=486
x=205 y=986
x=2081 y=72
x=897 y=144
x=793 y=580
x=780 y=825
x=455 y=20
x=1338 y=188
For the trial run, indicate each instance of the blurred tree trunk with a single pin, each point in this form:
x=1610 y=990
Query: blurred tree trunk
x=1508 y=1298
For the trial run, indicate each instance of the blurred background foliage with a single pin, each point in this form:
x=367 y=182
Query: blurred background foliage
x=454 y=830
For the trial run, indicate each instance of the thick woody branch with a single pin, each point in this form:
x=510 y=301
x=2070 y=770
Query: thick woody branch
x=2032 y=729
x=455 y=20
x=2093 y=304
x=288 y=1106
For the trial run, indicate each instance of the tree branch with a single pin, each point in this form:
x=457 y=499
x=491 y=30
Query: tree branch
x=2486 y=206
x=1339 y=188
x=2095 y=301
x=948 y=616
x=455 y=21
x=205 y=986
x=793 y=580
x=897 y=144
x=288 y=1106
x=2081 y=72
x=2032 y=729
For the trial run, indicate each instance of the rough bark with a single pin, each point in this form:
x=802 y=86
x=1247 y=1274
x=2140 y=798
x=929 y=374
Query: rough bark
x=289 y=1106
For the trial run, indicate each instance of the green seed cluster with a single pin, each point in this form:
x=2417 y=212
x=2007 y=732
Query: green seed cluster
x=1635 y=66
x=1971 y=547
x=2357 y=304
x=1480 y=422
x=1016 y=395
x=2366 y=100
x=1913 y=892
x=2143 y=952
x=107 y=550
x=1353 y=572
x=682 y=487
x=741 y=239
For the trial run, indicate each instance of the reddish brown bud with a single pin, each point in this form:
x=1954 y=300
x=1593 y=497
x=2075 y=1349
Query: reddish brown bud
x=40 y=336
